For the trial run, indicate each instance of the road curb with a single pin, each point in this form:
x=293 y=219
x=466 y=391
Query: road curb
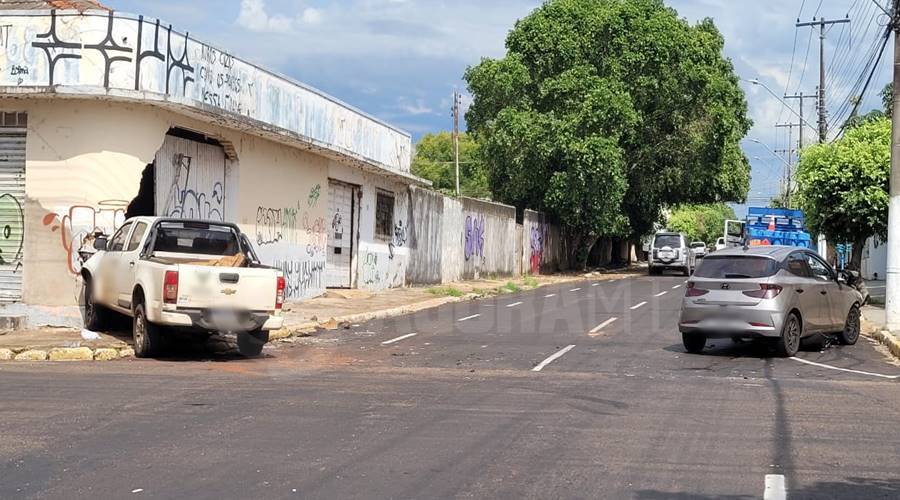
x=889 y=340
x=65 y=354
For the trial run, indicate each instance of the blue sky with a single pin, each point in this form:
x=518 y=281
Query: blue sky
x=401 y=60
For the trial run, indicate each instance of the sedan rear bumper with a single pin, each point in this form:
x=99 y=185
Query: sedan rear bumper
x=739 y=322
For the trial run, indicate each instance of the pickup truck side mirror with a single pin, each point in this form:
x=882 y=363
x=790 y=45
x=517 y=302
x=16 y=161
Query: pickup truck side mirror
x=100 y=243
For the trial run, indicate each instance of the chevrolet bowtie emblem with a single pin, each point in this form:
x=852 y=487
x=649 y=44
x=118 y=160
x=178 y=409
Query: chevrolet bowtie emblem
x=229 y=291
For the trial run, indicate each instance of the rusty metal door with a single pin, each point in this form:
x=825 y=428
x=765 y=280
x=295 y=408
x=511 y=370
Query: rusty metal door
x=339 y=252
x=190 y=179
x=12 y=212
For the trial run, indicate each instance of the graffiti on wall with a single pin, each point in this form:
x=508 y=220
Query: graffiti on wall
x=188 y=203
x=539 y=236
x=143 y=55
x=314 y=194
x=77 y=225
x=474 y=241
x=303 y=278
x=398 y=239
x=12 y=232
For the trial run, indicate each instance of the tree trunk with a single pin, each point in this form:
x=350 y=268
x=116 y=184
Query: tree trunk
x=859 y=248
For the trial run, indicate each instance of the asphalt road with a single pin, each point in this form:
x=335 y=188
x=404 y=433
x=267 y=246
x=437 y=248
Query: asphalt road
x=575 y=391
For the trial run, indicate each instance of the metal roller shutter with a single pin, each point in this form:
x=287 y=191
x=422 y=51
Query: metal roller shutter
x=12 y=212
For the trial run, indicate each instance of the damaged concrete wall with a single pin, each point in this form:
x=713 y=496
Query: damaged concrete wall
x=120 y=56
x=84 y=161
x=453 y=258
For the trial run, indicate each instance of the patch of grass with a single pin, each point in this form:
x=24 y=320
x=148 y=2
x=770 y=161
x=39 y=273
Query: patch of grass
x=509 y=287
x=448 y=291
x=530 y=282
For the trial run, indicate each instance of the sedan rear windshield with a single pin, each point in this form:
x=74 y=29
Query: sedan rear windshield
x=736 y=267
x=196 y=238
x=667 y=240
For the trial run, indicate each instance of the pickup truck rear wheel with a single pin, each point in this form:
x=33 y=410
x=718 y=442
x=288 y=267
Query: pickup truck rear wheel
x=147 y=338
x=95 y=316
x=251 y=343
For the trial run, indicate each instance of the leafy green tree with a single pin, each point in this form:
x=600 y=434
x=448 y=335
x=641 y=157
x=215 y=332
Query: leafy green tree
x=434 y=161
x=704 y=223
x=843 y=187
x=604 y=112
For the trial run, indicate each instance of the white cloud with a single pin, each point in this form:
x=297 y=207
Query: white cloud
x=415 y=109
x=254 y=17
x=311 y=15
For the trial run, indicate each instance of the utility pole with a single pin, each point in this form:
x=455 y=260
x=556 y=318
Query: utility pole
x=822 y=23
x=892 y=286
x=789 y=153
x=799 y=97
x=456 y=102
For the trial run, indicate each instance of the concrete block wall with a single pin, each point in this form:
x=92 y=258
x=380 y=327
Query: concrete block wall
x=456 y=239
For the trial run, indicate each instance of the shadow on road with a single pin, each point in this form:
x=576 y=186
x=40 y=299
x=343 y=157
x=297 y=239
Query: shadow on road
x=851 y=489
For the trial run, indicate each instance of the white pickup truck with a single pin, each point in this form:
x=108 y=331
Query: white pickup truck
x=182 y=276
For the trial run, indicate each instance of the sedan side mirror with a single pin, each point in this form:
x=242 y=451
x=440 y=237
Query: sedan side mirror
x=100 y=243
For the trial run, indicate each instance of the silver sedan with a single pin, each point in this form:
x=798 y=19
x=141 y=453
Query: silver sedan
x=779 y=293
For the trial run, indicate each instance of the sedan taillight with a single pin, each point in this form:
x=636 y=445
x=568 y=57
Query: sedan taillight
x=170 y=287
x=766 y=291
x=279 y=292
x=693 y=291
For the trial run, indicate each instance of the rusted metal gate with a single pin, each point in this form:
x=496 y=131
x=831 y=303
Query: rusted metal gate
x=12 y=204
x=190 y=179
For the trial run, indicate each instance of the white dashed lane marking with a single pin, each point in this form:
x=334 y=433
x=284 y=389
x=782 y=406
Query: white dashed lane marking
x=775 y=488
x=467 y=318
x=552 y=358
x=847 y=370
x=676 y=287
x=514 y=304
x=660 y=294
x=575 y=290
x=398 y=339
x=549 y=295
x=596 y=330
x=638 y=306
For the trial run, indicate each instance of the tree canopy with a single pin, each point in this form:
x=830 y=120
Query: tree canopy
x=704 y=223
x=434 y=161
x=604 y=112
x=843 y=187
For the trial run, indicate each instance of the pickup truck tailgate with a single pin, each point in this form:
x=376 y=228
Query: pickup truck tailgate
x=247 y=289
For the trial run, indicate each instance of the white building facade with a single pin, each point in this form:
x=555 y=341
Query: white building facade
x=105 y=114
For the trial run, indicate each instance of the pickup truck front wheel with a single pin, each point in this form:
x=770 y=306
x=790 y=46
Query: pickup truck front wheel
x=146 y=335
x=96 y=317
x=251 y=343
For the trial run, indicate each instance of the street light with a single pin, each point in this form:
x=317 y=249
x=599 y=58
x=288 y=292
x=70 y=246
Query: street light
x=786 y=164
x=755 y=81
x=776 y=155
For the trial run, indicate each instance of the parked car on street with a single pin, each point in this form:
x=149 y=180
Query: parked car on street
x=182 y=276
x=699 y=249
x=777 y=293
x=720 y=244
x=670 y=251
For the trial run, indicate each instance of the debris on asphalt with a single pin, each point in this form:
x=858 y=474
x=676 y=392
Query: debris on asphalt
x=89 y=335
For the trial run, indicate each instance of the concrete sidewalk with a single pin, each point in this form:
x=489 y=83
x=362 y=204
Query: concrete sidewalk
x=55 y=336
x=874 y=325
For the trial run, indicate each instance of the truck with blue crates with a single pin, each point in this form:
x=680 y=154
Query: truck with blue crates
x=776 y=226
